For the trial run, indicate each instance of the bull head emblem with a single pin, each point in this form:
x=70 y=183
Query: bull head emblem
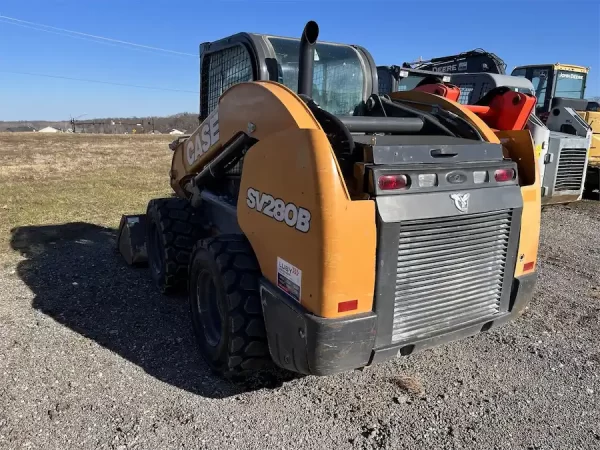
x=461 y=201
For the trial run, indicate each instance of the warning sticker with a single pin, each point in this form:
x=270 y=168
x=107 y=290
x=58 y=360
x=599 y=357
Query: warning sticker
x=289 y=278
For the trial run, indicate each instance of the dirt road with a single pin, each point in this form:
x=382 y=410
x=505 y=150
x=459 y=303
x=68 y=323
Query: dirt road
x=92 y=357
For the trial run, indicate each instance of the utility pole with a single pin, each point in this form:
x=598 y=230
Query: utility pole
x=73 y=119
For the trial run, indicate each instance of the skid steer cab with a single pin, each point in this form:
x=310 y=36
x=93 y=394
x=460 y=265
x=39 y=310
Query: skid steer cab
x=322 y=227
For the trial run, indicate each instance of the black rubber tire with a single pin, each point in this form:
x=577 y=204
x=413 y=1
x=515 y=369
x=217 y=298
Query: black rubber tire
x=173 y=227
x=237 y=345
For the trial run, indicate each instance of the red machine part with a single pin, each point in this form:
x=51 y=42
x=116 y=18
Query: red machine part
x=446 y=90
x=506 y=110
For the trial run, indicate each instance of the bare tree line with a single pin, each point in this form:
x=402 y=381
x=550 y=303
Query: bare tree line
x=186 y=122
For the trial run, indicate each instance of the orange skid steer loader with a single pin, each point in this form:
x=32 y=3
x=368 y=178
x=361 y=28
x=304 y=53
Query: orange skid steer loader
x=322 y=227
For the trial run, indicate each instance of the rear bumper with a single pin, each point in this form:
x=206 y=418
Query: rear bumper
x=304 y=343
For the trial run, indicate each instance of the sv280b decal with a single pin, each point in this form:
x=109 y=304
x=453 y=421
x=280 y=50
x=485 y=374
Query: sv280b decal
x=279 y=210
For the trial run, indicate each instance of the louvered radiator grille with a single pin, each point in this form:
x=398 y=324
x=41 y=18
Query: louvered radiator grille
x=450 y=271
x=571 y=165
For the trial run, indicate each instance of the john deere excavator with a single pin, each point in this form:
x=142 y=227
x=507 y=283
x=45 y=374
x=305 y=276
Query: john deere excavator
x=323 y=227
x=476 y=60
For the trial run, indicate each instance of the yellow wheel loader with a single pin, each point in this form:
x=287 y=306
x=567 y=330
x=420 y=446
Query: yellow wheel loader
x=322 y=227
x=592 y=117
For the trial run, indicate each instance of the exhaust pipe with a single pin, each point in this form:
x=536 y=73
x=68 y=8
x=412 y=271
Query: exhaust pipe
x=307 y=57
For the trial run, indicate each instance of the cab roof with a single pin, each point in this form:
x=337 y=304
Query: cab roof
x=557 y=66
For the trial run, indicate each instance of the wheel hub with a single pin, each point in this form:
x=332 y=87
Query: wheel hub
x=206 y=301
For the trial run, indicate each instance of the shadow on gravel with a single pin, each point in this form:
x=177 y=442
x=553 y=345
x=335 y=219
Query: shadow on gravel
x=80 y=280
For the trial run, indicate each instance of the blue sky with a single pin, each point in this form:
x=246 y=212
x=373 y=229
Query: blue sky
x=520 y=32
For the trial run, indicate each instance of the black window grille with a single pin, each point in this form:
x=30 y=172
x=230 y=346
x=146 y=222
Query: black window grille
x=222 y=70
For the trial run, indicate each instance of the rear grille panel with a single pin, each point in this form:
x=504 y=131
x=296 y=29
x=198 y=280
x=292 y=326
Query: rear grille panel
x=570 y=172
x=450 y=271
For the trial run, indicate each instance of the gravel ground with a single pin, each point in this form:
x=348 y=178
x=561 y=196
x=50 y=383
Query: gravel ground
x=92 y=357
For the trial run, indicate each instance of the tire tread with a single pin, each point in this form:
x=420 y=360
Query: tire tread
x=238 y=267
x=181 y=227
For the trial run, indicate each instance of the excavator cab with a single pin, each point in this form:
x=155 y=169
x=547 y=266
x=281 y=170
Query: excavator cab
x=320 y=226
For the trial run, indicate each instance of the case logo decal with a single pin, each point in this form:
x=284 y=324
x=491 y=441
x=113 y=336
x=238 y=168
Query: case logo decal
x=461 y=201
x=275 y=208
x=203 y=138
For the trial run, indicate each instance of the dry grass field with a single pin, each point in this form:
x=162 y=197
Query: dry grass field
x=60 y=178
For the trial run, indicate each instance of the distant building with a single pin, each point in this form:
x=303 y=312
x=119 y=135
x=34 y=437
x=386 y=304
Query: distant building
x=175 y=131
x=48 y=130
x=21 y=129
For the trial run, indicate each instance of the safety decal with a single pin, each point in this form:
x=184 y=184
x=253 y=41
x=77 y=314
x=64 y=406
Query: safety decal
x=289 y=278
x=275 y=208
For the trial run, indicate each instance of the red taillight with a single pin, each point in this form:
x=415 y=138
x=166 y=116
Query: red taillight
x=528 y=266
x=348 y=305
x=504 y=174
x=391 y=182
